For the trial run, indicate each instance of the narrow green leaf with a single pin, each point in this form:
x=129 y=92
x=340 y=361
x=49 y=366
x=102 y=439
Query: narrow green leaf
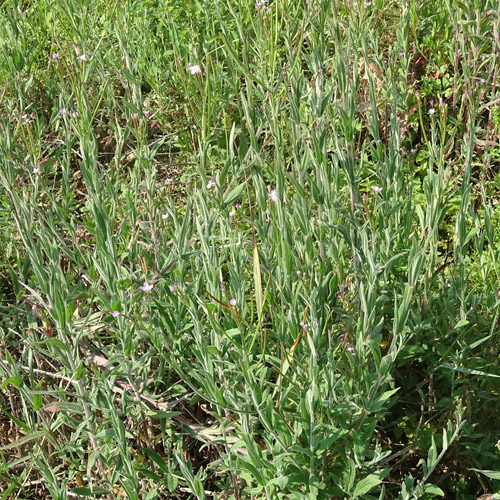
x=24 y=440
x=369 y=482
x=467 y=370
x=86 y=492
x=434 y=490
x=257 y=279
x=15 y=381
x=234 y=194
x=157 y=459
x=492 y=474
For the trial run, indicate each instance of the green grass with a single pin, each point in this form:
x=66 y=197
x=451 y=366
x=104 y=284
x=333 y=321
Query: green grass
x=275 y=278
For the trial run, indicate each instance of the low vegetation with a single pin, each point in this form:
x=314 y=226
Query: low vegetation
x=249 y=250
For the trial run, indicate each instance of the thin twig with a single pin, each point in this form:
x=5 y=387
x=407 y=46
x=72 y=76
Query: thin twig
x=37 y=370
x=3 y=92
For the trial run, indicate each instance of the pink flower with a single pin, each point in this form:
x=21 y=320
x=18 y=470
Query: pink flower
x=134 y=115
x=36 y=170
x=273 y=195
x=173 y=288
x=165 y=216
x=432 y=111
x=55 y=55
x=299 y=273
x=147 y=287
x=83 y=57
x=63 y=111
x=233 y=302
x=194 y=68
x=116 y=314
x=377 y=189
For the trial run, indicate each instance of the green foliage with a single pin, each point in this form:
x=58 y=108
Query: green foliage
x=249 y=250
